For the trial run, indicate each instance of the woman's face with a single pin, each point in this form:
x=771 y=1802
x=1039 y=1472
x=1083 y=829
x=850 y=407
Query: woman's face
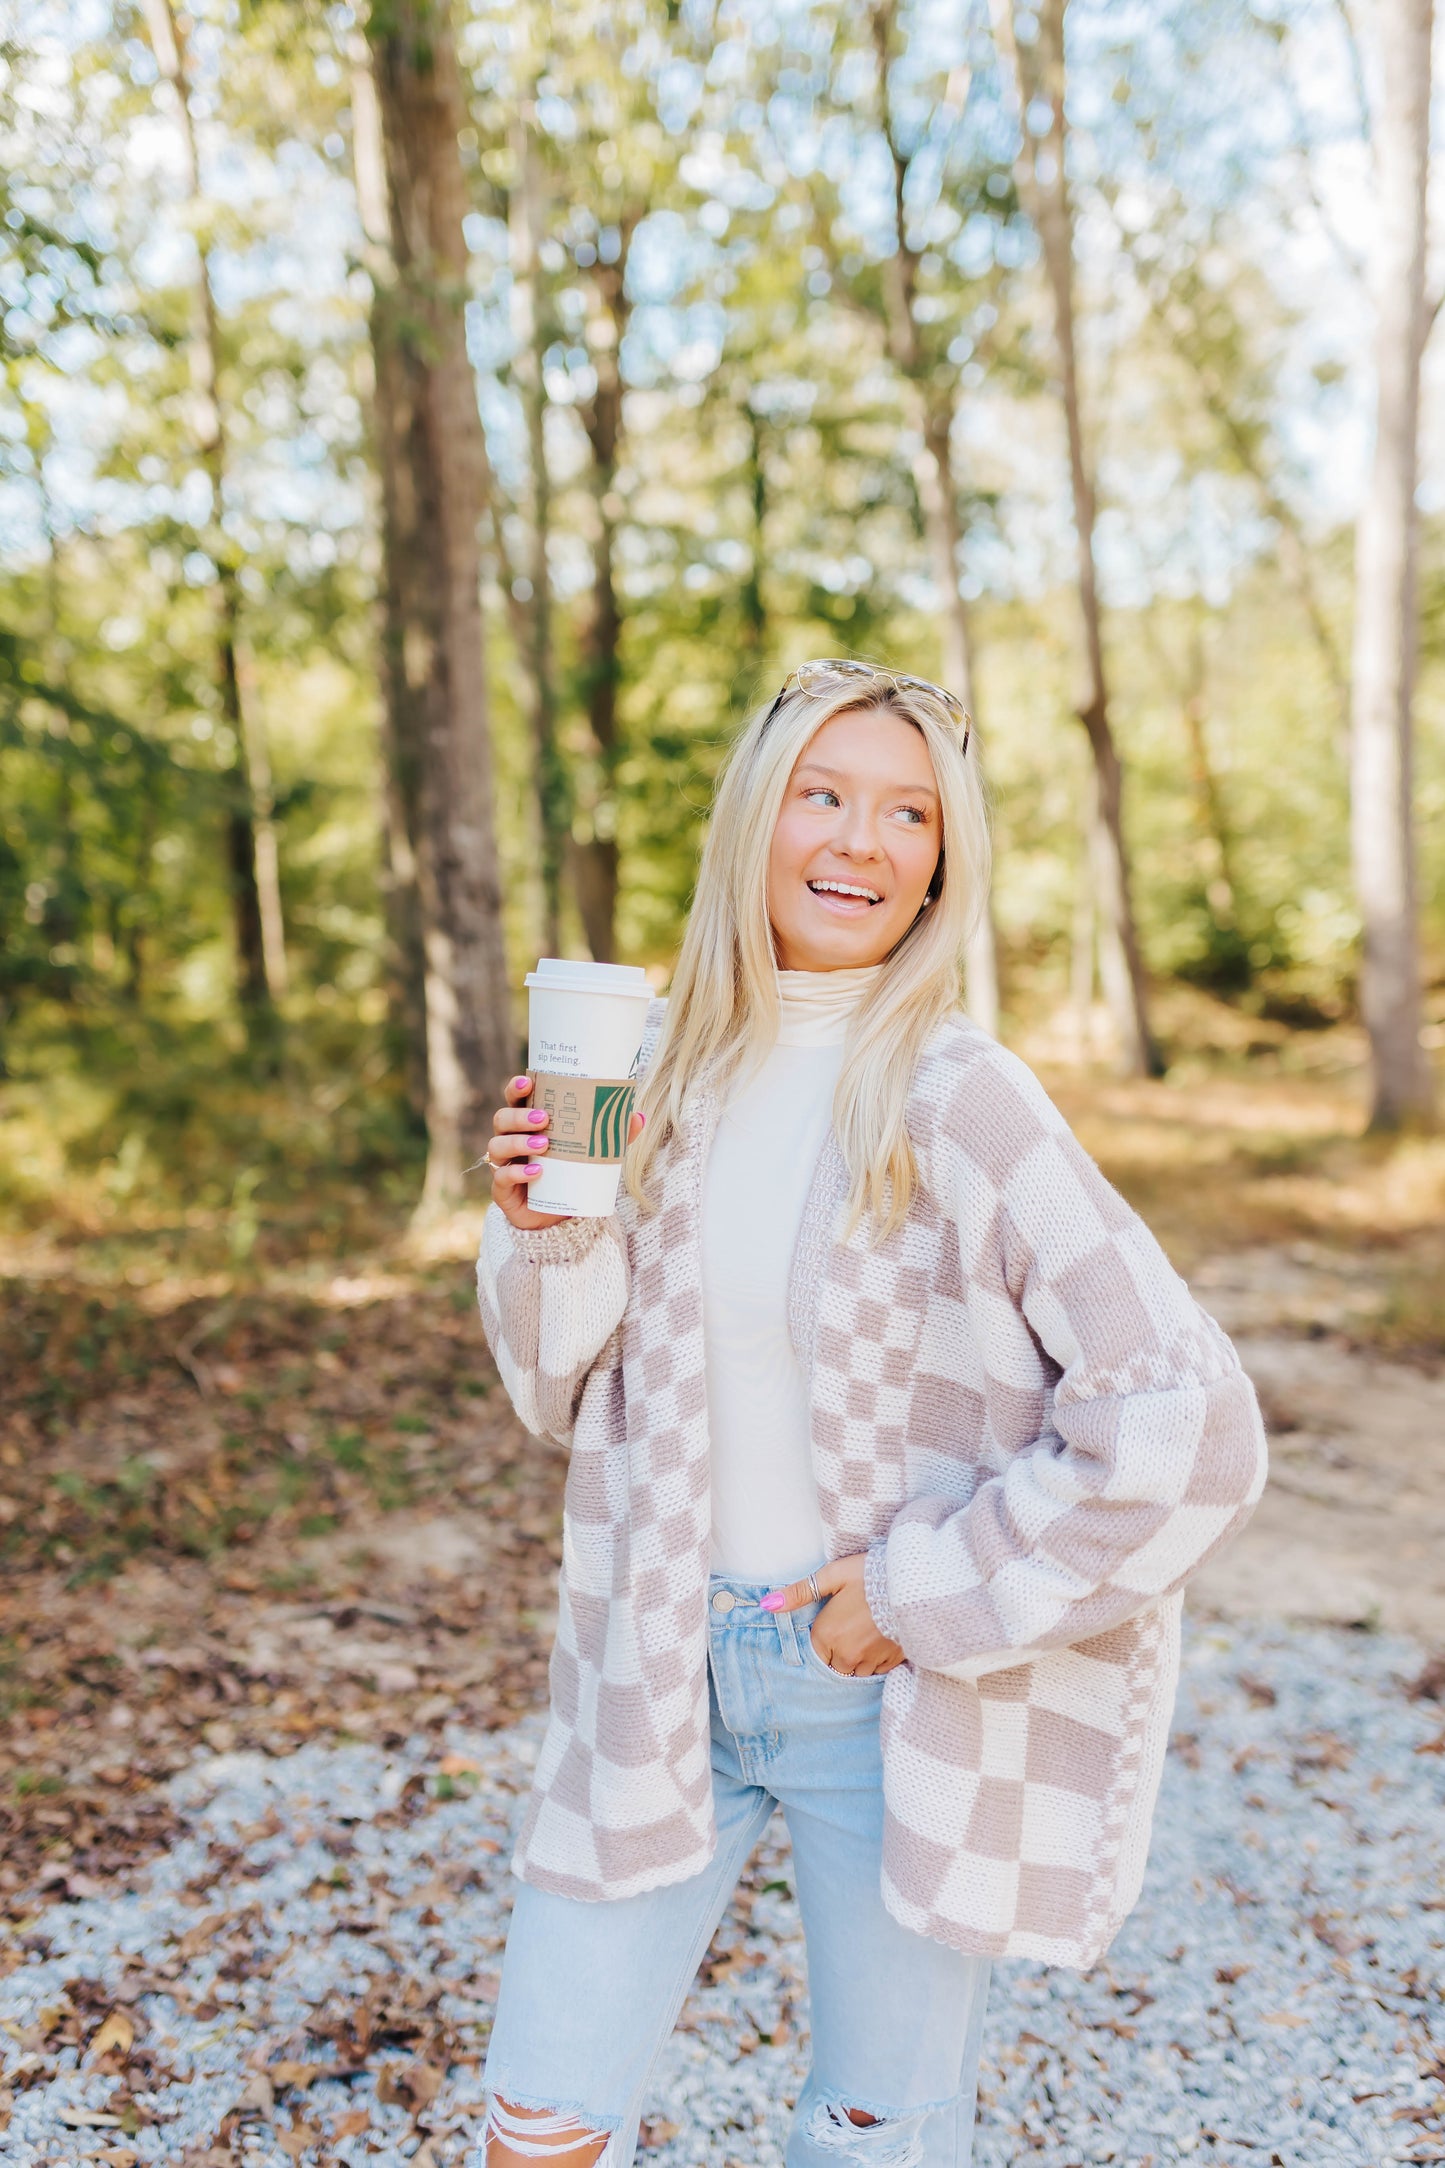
x=856 y=842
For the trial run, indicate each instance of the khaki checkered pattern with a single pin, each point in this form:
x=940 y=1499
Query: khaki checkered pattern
x=1019 y=1413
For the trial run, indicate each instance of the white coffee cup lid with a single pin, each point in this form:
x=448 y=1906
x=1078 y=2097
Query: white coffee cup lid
x=567 y=975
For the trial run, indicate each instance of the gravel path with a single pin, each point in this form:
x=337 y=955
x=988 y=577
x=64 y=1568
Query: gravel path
x=1277 y=1998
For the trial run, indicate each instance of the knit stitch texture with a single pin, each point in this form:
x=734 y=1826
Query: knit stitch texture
x=1018 y=1412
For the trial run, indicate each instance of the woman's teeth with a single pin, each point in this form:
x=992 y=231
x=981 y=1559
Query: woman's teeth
x=846 y=890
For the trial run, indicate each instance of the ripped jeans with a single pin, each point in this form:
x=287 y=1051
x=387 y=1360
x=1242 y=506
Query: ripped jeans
x=590 y=1991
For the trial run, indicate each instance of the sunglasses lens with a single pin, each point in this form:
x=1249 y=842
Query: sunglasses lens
x=813 y=675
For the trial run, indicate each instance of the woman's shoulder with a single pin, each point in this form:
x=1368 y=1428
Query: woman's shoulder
x=972 y=1095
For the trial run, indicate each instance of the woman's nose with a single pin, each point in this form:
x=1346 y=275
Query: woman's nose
x=859 y=834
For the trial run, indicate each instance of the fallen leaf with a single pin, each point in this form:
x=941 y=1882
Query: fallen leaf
x=351 y=2125
x=458 y=1765
x=89 y=2119
x=259 y=2097
x=299 y=2075
x=197 y=1938
x=116 y=2035
x=1291 y=2018
x=657 y=2130
x=298 y=2140
x=409 y=2085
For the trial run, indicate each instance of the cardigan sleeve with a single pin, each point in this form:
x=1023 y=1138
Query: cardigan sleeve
x=551 y=1298
x=1152 y=1450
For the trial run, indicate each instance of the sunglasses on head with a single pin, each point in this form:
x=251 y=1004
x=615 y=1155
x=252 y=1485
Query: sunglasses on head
x=817 y=679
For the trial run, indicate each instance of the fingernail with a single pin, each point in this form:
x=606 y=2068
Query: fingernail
x=642 y=1121
x=774 y=1600
x=536 y=1116
x=541 y=1144
x=533 y=1166
x=520 y=1083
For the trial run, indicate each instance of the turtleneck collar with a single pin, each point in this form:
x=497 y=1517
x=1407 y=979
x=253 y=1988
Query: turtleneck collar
x=815 y=1006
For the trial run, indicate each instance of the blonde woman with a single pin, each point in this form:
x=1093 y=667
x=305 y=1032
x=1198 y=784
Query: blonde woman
x=894 y=1438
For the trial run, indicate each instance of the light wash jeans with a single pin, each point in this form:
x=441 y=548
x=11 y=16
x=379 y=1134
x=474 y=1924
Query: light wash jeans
x=591 y=1991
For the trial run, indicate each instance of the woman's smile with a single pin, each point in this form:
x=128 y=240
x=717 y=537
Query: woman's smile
x=848 y=898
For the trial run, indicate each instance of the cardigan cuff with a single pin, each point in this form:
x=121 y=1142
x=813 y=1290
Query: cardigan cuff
x=565 y=1244
x=875 y=1590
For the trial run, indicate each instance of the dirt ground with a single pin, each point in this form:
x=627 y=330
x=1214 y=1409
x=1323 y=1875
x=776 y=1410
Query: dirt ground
x=1351 y=1528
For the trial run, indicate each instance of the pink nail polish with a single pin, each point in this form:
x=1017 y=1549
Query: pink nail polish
x=774 y=1600
x=533 y=1166
x=520 y=1083
x=642 y=1121
x=536 y=1116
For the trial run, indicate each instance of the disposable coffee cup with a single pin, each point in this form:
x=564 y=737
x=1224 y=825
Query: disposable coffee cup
x=584 y=1035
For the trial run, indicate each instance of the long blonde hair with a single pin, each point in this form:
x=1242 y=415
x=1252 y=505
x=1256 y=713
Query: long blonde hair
x=724 y=997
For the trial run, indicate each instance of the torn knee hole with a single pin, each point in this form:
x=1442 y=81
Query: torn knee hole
x=541 y=2133
x=882 y=2141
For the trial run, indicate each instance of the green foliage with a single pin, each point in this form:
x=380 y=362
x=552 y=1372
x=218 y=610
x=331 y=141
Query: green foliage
x=765 y=506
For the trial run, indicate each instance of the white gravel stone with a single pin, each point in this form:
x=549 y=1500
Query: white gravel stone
x=1278 y=1997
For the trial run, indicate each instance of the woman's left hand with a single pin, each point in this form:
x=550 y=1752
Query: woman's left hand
x=844 y=1633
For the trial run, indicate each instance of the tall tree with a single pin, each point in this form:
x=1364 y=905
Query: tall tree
x=934 y=389
x=251 y=829
x=432 y=460
x=1038 y=72
x=1386 y=607
x=596 y=854
x=532 y=601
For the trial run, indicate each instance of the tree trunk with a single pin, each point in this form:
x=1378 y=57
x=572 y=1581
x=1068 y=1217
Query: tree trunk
x=1385 y=580
x=595 y=858
x=400 y=799
x=533 y=617
x=754 y=606
x=432 y=460
x=1039 y=76
x=251 y=844
x=1084 y=934
x=933 y=476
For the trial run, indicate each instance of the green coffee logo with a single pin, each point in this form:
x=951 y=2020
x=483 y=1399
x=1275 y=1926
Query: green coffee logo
x=589 y=1115
x=611 y=1107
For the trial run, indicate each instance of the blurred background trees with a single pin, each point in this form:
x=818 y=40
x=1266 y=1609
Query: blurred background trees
x=425 y=432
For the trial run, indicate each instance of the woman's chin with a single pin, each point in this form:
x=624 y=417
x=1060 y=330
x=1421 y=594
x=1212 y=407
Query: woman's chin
x=846 y=948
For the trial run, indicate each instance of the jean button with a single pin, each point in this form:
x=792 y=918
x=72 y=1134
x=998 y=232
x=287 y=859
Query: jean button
x=724 y=1600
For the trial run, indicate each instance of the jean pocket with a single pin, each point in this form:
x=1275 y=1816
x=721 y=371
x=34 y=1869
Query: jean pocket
x=844 y=1678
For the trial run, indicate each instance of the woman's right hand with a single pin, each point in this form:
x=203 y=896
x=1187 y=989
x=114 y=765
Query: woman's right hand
x=518 y=1142
x=515 y=1153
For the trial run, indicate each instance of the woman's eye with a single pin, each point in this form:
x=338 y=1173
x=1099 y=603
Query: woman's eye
x=820 y=790
x=917 y=817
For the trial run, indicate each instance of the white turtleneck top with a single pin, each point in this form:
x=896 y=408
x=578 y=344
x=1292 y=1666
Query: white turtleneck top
x=765 y=1520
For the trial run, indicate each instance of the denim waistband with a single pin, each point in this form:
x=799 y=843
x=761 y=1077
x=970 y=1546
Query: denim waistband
x=745 y=1611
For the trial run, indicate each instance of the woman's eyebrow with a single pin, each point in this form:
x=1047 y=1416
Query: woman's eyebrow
x=835 y=775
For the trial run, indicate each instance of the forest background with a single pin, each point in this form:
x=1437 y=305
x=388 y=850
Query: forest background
x=423 y=437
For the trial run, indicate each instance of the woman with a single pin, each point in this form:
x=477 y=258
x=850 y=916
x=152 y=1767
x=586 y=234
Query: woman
x=894 y=1438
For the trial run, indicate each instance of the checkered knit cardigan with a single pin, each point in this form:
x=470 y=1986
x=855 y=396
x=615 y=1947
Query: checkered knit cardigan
x=1018 y=1412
